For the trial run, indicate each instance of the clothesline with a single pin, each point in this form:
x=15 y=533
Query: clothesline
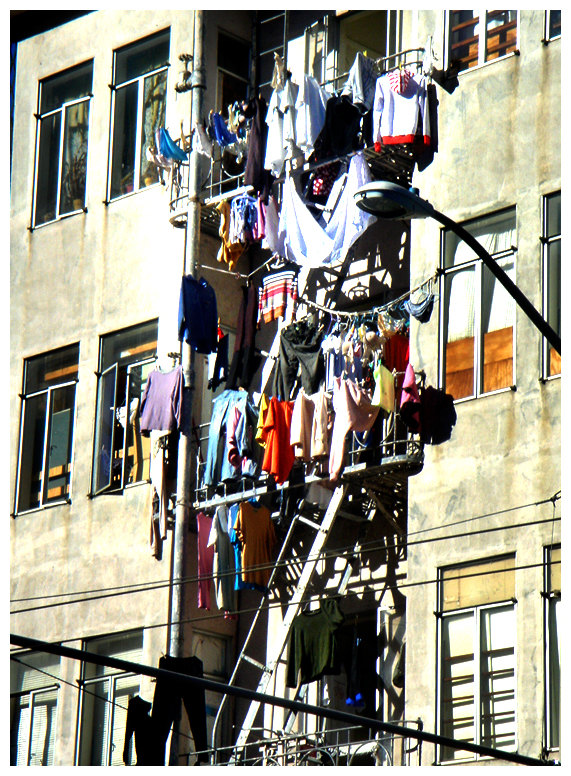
x=375 y=309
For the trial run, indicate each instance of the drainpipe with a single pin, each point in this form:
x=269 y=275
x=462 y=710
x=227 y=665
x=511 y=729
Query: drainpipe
x=184 y=484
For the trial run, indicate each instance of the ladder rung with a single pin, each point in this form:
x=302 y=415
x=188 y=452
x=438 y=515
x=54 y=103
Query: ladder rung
x=254 y=662
x=305 y=520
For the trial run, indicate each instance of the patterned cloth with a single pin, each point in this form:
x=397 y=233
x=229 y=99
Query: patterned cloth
x=279 y=287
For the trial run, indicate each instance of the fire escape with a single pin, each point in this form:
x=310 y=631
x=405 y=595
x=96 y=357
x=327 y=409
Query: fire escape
x=373 y=486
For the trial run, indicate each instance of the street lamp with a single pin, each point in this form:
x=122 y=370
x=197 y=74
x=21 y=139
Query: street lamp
x=391 y=201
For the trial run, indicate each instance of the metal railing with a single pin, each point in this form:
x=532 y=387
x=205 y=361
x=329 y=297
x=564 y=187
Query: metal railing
x=348 y=746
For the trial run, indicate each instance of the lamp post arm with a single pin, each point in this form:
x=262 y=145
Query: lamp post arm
x=550 y=335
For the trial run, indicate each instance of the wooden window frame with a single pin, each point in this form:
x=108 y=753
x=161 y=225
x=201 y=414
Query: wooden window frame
x=479 y=54
x=551 y=360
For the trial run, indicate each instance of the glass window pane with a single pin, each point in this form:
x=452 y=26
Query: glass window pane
x=501 y=28
x=32 y=452
x=459 y=323
x=553 y=202
x=65 y=87
x=142 y=57
x=74 y=157
x=48 y=169
x=58 y=476
x=478 y=583
x=554 y=570
x=124 y=140
x=458 y=666
x=54 y=368
x=94 y=724
x=44 y=708
x=464 y=32
x=130 y=345
x=497 y=675
x=125 y=687
x=103 y=462
x=154 y=103
x=498 y=318
x=554 y=286
x=554 y=23
x=554 y=677
x=126 y=647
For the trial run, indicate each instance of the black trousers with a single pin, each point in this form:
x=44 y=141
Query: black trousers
x=300 y=347
x=166 y=705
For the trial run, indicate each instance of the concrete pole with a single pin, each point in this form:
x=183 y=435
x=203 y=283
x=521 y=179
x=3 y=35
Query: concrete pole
x=184 y=482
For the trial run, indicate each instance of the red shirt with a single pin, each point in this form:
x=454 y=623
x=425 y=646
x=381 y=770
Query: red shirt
x=279 y=454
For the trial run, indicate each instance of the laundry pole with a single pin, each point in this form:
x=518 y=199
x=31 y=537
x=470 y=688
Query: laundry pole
x=184 y=483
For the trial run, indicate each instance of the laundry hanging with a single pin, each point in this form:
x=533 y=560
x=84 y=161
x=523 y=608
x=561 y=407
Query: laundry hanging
x=400 y=112
x=278 y=291
x=312 y=649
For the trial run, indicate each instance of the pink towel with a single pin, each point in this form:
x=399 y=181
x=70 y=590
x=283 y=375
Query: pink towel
x=205 y=560
x=353 y=412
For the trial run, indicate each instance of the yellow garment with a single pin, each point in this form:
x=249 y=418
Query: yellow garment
x=263 y=411
x=255 y=531
x=229 y=252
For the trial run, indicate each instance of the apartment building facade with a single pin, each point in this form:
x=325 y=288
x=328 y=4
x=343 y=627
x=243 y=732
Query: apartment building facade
x=97 y=255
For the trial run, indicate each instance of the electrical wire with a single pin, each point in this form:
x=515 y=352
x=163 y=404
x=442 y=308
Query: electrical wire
x=365 y=548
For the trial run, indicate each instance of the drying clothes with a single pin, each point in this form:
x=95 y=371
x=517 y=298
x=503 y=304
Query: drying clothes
x=309 y=435
x=347 y=221
x=205 y=559
x=161 y=403
x=243 y=220
x=168 y=149
x=421 y=310
x=396 y=353
x=255 y=173
x=384 y=393
x=224 y=563
x=255 y=531
x=410 y=401
x=300 y=237
x=353 y=412
x=244 y=360
x=300 y=348
x=271 y=225
x=218 y=469
x=310 y=113
x=167 y=706
x=278 y=455
x=438 y=415
x=355 y=687
x=242 y=449
x=218 y=364
x=229 y=251
x=222 y=135
x=139 y=724
x=400 y=117
x=279 y=289
x=332 y=347
x=322 y=182
x=158 y=472
x=340 y=133
x=281 y=140
x=264 y=403
x=239 y=583
x=361 y=82
x=197 y=315
x=313 y=650
x=200 y=140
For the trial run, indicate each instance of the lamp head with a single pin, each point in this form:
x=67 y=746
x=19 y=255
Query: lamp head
x=390 y=201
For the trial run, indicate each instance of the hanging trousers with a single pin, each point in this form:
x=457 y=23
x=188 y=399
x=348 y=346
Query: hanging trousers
x=300 y=346
x=166 y=705
x=244 y=361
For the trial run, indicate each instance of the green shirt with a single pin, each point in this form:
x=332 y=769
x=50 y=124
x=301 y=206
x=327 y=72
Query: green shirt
x=312 y=647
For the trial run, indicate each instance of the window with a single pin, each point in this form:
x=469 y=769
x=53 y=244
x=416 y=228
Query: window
x=476 y=37
x=552 y=646
x=233 y=70
x=478 y=314
x=552 y=25
x=46 y=429
x=138 y=110
x=551 y=244
x=477 y=661
x=61 y=144
x=121 y=454
x=104 y=699
x=33 y=708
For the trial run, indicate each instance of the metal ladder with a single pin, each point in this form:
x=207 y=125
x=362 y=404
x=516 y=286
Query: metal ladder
x=323 y=530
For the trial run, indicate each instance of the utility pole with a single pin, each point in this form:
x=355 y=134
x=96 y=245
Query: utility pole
x=184 y=484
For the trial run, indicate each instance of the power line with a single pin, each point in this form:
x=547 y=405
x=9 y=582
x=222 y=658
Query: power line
x=366 y=547
x=364 y=550
x=372 y=586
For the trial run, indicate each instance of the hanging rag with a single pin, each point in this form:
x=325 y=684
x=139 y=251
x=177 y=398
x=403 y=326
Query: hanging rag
x=421 y=310
x=410 y=400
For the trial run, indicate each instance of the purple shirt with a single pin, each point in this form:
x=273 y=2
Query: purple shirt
x=162 y=401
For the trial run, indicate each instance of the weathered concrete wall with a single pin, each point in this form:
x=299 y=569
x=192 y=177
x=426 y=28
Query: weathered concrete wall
x=498 y=146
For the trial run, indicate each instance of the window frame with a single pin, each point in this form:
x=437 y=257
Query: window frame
x=482 y=38
x=115 y=88
x=101 y=374
x=476 y=610
x=110 y=678
x=547 y=241
x=549 y=597
x=479 y=271
x=44 y=503
x=39 y=116
x=31 y=693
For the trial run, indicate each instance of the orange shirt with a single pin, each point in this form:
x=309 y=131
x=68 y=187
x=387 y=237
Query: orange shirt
x=279 y=455
x=255 y=530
